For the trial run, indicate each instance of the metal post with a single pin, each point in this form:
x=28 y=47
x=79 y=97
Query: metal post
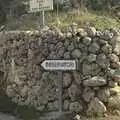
x=58 y=13
x=42 y=19
x=60 y=76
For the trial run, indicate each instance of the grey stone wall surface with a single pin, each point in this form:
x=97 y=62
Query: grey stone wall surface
x=92 y=89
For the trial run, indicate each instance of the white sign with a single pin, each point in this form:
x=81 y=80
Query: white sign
x=59 y=65
x=40 y=5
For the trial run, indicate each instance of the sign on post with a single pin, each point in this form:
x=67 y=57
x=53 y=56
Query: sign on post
x=62 y=65
x=40 y=5
x=59 y=65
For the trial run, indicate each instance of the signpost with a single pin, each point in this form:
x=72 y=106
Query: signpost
x=40 y=6
x=60 y=66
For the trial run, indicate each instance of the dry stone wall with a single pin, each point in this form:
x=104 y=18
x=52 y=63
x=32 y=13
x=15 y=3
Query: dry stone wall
x=93 y=88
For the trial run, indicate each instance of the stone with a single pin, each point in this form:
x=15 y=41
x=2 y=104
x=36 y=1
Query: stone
x=81 y=32
x=40 y=108
x=75 y=107
x=115 y=41
x=113 y=58
x=91 y=31
x=107 y=49
x=67 y=43
x=96 y=107
x=83 y=58
x=71 y=47
x=92 y=58
x=53 y=78
x=115 y=90
x=74 y=92
x=103 y=94
x=116 y=50
x=45 y=75
x=106 y=35
x=83 y=47
x=77 y=117
x=114 y=102
x=102 y=61
x=94 y=48
x=116 y=77
x=87 y=41
x=67 y=80
x=88 y=94
x=116 y=112
x=77 y=78
x=52 y=106
x=10 y=91
x=95 y=81
x=66 y=105
x=90 y=69
x=110 y=72
x=61 y=52
x=67 y=55
x=102 y=42
x=115 y=65
x=112 y=84
x=68 y=35
x=76 y=53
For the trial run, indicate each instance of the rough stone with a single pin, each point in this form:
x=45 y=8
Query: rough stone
x=77 y=78
x=87 y=41
x=113 y=58
x=114 y=102
x=102 y=42
x=71 y=47
x=106 y=35
x=75 y=107
x=115 y=65
x=76 y=53
x=96 y=107
x=90 y=69
x=77 y=117
x=88 y=94
x=107 y=49
x=66 y=105
x=104 y=94
x=92 y=58
x=115 y=90
x=82 y=32
x=53 y=106
x=74 y=92
x=103 y=61
x=67 y=55
x=94 y=48
x=67 y=80
x=95 y=81
x=91 y=31
x=83 y=47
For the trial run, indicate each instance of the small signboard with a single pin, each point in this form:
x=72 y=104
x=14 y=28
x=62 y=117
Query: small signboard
x=40 y=5
x=62 y=65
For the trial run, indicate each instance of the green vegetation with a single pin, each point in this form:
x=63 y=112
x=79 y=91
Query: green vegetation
x=99 y=20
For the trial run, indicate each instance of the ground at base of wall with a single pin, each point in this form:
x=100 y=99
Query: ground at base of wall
x=110 y=117
x=68 y=116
